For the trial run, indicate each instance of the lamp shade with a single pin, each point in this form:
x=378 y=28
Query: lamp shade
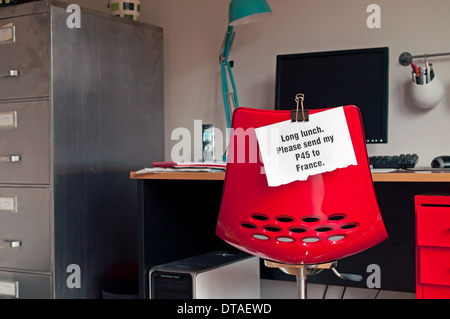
x=248 y=11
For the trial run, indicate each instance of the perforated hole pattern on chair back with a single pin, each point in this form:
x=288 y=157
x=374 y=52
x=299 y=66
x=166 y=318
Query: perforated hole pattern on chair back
x=328 y=217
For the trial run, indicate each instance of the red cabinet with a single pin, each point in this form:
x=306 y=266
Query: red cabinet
x=433 y=245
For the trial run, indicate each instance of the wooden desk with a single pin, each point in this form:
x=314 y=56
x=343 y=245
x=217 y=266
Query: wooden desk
x=201 y=176
x=178 y=214
x=397 y=176
x=413 y=176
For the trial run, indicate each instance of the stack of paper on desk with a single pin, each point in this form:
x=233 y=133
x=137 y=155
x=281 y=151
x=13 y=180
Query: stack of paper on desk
x=159 y=167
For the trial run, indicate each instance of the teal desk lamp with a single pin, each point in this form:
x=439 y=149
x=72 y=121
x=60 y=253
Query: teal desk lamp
x=240 y=12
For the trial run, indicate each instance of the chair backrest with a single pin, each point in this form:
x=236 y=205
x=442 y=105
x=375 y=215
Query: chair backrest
x=327 y=217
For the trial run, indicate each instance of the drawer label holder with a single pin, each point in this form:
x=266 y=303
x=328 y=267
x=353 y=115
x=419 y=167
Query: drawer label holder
x=8 y=204
x=8 y=119
x=9 y=288
x=7 y=33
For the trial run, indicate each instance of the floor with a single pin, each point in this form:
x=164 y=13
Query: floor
x=275 y=289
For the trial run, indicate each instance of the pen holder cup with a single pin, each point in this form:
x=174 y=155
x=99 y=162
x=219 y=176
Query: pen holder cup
x=427 y=96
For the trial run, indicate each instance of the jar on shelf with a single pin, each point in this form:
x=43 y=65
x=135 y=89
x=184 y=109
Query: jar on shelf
x=128 y=9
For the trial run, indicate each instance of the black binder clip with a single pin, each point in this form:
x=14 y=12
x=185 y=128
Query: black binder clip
x=300 y=115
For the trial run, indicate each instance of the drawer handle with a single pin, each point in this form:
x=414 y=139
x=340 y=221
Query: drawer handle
x=10 y=243
x=10 y=159
x=12 y=74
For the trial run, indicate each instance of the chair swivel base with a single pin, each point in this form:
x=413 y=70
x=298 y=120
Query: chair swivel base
x=301 y=272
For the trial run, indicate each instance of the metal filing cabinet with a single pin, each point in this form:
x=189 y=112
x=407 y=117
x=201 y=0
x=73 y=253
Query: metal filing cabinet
x=79 y=109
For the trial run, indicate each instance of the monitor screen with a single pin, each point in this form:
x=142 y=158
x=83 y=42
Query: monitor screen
x=337 y=78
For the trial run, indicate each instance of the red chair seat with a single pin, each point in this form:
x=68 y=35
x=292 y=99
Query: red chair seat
x=328 y=217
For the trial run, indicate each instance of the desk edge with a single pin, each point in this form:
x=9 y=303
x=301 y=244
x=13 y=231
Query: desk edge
x=376 y=177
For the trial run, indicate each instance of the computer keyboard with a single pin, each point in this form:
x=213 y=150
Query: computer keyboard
x=394 y=161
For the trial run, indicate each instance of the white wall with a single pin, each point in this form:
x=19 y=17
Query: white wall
x=193 y=34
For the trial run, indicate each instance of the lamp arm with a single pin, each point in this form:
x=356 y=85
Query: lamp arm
x=233 y=85
x=224 y=92
x=228 y=97
x=226 y=45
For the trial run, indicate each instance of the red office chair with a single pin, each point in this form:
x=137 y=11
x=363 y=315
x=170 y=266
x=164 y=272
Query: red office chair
x=305 y=226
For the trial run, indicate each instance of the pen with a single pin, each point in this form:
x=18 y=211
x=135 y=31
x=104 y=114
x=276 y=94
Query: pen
x=412 y=66
x=431 y=72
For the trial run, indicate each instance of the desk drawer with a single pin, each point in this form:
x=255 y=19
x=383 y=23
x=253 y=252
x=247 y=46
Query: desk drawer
x=24 y=286
x=25 y=143
x=433 y=226
x=434 y=264
x=435 y=292
x=24 y=51
x=25 y=229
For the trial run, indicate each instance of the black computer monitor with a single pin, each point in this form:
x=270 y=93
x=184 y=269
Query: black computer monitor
x=336 y=78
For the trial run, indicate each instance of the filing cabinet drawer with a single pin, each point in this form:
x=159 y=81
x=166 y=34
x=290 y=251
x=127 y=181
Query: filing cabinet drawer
x=24 y=48
x=25 y=228
x=25 y=143
x=433 y=226
x=434 y=265
x=24 y=286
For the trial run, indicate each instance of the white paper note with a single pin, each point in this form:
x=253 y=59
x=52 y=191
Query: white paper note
x=294 y=151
